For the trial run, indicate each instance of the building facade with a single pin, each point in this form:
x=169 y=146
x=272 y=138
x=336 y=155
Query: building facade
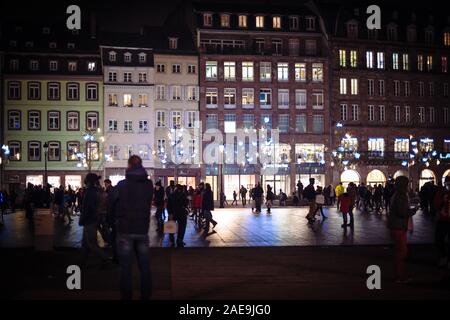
x=52 y=85
x=261 y=71
x=128 y=107
x=390 y=98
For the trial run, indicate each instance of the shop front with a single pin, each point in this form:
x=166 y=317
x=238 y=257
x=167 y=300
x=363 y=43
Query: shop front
x=185 y=176
x=278 y=178
x=305 y=171
x=236 y=176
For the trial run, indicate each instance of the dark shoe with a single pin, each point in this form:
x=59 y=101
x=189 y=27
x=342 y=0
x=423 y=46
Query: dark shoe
x=350 y=225
x=344 y=225
x=214 y=224
x=180 y=244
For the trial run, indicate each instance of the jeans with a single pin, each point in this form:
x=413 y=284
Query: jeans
x=129 y=245
x=258 y=203
x=209 y=219
x=89 y=243
x=400 y=252
x=160 y=217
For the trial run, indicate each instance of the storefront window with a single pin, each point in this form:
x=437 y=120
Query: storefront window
x=375 y=147
x=426 y=145
x=309 y=153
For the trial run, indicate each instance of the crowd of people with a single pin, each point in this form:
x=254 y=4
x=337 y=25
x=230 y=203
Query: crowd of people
x=122 y=213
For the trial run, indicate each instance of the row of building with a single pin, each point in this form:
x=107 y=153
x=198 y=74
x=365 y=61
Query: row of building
x=350 y=104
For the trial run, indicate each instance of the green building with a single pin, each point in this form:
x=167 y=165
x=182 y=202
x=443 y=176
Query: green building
x=52 y=107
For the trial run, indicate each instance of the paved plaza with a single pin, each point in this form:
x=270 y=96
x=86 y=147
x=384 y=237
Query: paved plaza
x=239 y=227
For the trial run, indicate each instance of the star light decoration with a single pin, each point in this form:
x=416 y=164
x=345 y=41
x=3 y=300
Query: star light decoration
x=418 y=155
x=346 y=155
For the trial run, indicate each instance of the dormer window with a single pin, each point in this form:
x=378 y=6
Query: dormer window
x=112 y=56
x=429 y=35
x=53 y=65
x=259 y=21
x=293 y=23
x=411 y=33
x=352 y=29
x=14 y=64
x=372 y=34
x=70 y=45
x=276 y=22
x=310 y=23
x=34 y=65
x=127 y=57
x=392 y=32
x=45 y=30
x=92 y=66
x=29 y=44
x=142 y=57
x=13 y=43
x=207 y=19
x=52 y=45
x=173 y=43
x=242 y=21
x=447 y=38
x=225 y=20
x=72 y=66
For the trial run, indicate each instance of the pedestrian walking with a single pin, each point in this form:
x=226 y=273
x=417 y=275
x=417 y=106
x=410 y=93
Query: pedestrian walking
x=207 y=207
x=131 y=202
x=177 y=207
x=309 y=193
x=300 y=190
x=399 y=221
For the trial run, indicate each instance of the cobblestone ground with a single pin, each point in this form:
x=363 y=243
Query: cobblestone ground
x=239 y=227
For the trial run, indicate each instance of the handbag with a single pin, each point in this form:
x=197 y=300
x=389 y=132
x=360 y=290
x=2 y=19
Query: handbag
x=170 y=227
x=320 y=199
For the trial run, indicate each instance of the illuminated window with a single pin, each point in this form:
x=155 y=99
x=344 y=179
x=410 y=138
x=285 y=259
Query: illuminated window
x=260 y=21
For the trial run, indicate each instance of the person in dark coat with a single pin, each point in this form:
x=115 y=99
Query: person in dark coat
x=131 y=202
x=258 y=193
x=309 y=193
x=399 y=217
x=93 y=203
x=207 y=207
x=177 y=207
x=159 y=203
x=270 y=196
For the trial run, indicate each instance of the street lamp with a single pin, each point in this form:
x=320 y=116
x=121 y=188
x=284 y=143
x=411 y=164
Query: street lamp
x=45 y=164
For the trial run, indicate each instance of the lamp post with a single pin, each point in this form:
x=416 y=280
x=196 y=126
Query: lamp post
x=45 y=164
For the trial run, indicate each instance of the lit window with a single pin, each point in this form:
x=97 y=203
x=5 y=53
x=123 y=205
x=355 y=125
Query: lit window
x=248 y=97
x=242 y=21
x=283 y=71
x=211 y=70
x=92 y=66
x=229 y=68
x=354 y=86
x=342 y=58
x=265 y=98
x=247 y=71
x=207 y=20
x=265 y=71
x=353 y=58
x=276 y=22
x=380 y=60
x=343 y=86
x=300 y=72
x=369 y=59
x=225 y=20
x=395 y=61
x=260 y=21
x=317 y=72
x=173 y=43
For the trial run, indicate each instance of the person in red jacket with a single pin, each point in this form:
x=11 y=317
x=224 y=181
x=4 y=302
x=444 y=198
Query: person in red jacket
x=346 y=203
x=197 y=205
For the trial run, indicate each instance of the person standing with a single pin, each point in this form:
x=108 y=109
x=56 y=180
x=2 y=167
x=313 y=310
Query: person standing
x=177 y=207
x=243 y=192
x=399 y=217
x=338 y=192
x=131 y=202
x=351 y=190
x=309 y=193
x=89 y=218
x=332 y=195
x=345 y=204
x=207 y=207
x=300 y=189
x=159 y=203
x=442 y=205
x=269 y=198
x=258 y=193
x=234 y=198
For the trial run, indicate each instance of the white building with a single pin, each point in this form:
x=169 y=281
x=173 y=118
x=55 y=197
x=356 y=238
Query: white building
x=128 y=108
